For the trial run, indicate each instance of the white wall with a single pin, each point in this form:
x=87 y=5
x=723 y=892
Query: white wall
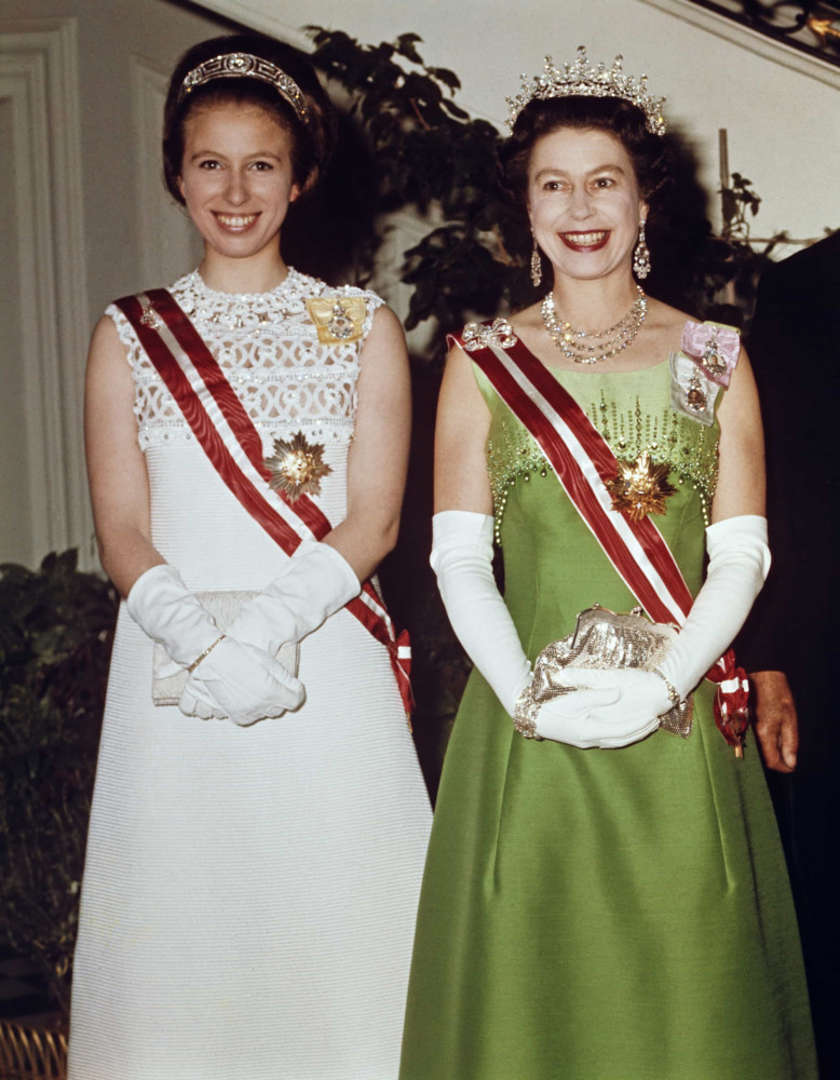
x=780 y=108
x=84 y=220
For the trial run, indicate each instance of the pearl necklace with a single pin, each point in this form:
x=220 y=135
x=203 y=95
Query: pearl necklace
x=592 y=346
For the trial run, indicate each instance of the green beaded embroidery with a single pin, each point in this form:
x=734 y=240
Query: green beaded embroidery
x=689 y=448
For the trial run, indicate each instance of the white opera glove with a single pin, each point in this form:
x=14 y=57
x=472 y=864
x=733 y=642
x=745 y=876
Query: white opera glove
x=462 y=558
x=162 y=605
x=240 y=682
x=739 y=560
x=316 y=582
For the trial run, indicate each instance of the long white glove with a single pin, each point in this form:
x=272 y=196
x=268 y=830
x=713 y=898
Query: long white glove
x=462 y=557
x=739 y=560
x=316 y=582
x=233 y=679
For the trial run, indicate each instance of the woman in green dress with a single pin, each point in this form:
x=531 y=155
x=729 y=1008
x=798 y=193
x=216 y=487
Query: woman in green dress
x=603 y=899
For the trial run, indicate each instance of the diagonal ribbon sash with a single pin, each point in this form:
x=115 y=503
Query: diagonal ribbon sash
x=583 y=462
x=233 y=445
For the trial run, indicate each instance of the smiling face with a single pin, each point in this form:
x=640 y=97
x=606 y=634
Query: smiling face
x=584 y=202
x=236 y=178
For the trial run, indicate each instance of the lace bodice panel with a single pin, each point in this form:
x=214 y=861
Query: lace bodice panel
x=269 y=348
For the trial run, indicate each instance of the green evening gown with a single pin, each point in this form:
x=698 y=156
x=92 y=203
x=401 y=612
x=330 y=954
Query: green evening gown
x=602 y=914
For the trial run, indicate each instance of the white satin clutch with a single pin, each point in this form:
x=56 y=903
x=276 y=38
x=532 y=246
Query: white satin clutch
x=169 y=678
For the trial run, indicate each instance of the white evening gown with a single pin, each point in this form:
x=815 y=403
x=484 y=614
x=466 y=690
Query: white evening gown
x=249 y=894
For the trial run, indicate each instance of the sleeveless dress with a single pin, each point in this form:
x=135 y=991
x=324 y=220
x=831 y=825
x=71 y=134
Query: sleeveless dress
x=601 y=914
x=250 y=893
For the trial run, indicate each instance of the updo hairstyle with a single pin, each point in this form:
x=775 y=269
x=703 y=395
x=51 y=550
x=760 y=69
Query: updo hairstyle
x=615 y=116
x=312 y=141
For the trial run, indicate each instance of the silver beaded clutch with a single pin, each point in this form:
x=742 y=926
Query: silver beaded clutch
x=605 y=640
x=169 y=678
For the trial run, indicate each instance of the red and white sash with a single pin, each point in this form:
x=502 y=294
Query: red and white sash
x=233 y=445
x=583 y=462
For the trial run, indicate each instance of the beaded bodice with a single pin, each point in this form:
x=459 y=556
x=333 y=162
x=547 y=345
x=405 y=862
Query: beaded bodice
x=631 y=410
x=269 y=348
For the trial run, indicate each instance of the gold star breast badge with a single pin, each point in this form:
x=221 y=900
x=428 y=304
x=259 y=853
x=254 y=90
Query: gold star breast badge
x=640 y=487
x=339 y=319
x=297 y=466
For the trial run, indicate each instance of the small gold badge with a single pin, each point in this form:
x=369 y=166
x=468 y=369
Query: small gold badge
x=297 y=467
x=640 y=487
x=339 y=319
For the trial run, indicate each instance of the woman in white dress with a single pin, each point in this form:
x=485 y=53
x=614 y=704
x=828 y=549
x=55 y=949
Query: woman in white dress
x=256 y=844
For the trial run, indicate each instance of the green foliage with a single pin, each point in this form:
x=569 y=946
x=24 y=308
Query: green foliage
x=56 y=626
x=733 y=264
x=429 y=153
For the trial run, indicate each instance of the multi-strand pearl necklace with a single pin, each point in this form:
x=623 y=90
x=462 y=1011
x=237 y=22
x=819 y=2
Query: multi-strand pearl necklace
x=592 y=346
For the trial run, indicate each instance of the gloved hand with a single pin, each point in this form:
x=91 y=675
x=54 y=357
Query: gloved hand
x=162 y=605
x=316 y=582
x=639 y=700
x=739 y=560
x=462 y=556
x=241 y=682
x=168 y=612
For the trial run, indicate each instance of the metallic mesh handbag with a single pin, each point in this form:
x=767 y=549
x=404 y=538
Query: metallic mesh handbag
x=603 y=639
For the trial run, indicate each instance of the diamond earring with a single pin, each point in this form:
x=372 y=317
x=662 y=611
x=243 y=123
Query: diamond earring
x=536 y=263
x=641 y=256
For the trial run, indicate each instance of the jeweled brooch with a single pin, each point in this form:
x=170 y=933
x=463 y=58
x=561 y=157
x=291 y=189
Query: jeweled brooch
x=297 y=466
x=477 y=336
x=714 y=346
x=150 y=317
x=338 y=319
x=640 y=487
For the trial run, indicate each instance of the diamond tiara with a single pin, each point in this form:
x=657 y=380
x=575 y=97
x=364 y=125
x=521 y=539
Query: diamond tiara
x=583 y=79
x=246 y=66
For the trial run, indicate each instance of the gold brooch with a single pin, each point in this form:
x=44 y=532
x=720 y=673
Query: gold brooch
x=640 y=487
x=339 y=319
x=297 y=467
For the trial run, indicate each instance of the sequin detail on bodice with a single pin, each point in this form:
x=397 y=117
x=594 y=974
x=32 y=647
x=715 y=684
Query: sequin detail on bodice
x=630 y=423
x=267 y=345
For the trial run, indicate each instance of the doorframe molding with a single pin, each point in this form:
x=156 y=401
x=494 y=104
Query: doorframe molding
x=39 y=73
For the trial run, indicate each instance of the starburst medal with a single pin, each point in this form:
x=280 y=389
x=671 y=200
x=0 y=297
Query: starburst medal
x=297 y=466
x=640 y=487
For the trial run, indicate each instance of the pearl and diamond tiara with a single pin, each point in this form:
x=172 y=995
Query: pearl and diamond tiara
x=247 y=66
x=582 y=79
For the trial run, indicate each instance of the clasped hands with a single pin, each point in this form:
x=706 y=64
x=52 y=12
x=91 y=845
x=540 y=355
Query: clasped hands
x=241 y=682
x=606 y=708
x=236 y=674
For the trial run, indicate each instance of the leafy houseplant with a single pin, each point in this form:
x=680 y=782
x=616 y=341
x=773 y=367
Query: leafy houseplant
x=56 y=628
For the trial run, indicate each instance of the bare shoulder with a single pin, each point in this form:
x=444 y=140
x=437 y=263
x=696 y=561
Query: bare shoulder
x=386 y=322
x=665 y=319
x=107 y=356
x=384 y=346
x=527 y=320
x=104 y=333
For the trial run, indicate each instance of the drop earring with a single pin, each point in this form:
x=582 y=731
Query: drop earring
x=536 y=263
x=641 y=256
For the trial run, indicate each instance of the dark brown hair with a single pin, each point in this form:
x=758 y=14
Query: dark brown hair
x=617 y=117
x=312 y=141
